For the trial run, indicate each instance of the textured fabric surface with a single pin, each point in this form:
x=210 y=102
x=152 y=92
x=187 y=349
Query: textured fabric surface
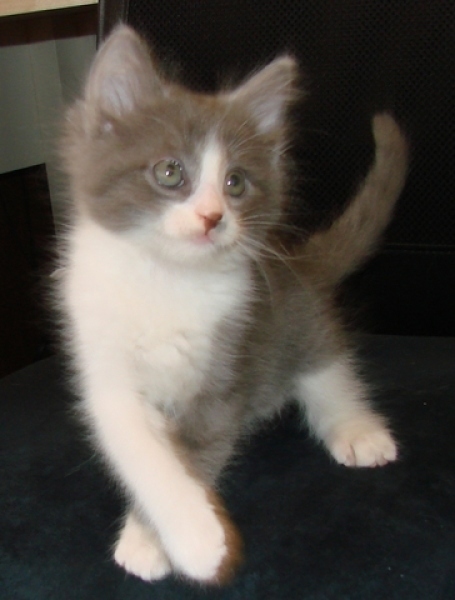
x=313 y=530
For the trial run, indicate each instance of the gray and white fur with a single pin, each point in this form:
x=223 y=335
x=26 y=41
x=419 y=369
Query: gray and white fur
x=186 y=321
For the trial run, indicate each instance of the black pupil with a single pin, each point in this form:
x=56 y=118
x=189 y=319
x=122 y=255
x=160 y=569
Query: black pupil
x=234 y=180
x=171 y=169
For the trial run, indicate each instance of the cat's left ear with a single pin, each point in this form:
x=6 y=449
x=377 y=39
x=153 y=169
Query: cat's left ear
x=269 y=92
x=122 y=77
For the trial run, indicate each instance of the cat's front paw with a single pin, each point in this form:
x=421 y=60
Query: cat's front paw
x=207 y=546
x=363 y=445
x=140 y=553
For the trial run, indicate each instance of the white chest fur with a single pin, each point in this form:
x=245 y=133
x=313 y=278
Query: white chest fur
x=155 y=319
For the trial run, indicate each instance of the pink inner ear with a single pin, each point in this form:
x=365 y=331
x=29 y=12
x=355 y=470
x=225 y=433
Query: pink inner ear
x=123 y=74
x=268 y=93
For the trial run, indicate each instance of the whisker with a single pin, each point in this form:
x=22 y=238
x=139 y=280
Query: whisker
x=261 y=269
x=266 y=252
x=272 y=225
x=248 y=140
x=80 y=466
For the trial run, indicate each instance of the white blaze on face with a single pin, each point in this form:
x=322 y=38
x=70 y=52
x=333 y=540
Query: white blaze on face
x=205 y=214
x=207 y=200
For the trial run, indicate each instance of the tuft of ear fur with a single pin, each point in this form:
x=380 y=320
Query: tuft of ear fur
x=123 y=75
x=269 y=92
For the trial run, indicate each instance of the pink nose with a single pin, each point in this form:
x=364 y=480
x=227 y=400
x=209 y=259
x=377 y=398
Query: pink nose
x=211 y=221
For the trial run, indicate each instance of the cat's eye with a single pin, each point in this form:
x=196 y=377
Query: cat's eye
x=168 y=172
x=235 y=183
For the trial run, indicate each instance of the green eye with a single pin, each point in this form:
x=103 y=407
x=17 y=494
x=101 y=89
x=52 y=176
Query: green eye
x=169 y=173
x=234 y=184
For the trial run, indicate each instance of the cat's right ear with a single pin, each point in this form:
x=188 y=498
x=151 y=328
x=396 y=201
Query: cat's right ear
x=269 y=92
x=122 y=77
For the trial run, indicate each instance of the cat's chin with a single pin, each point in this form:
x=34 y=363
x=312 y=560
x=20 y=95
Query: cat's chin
x=202 y=240
x=196 y=251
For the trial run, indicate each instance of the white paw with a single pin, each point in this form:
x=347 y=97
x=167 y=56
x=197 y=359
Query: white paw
x=203 y=546
x=140 y=553
x=363 y=446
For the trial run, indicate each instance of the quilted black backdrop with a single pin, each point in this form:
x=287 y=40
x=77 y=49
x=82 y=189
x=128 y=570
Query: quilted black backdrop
x=357 y=56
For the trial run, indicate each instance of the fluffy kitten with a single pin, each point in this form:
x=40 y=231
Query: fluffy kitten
x=186 y=324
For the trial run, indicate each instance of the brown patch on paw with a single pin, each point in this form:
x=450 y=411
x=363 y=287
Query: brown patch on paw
x=234 y=544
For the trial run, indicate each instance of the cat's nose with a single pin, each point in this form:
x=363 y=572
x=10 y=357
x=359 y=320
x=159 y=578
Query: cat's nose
x=211 y=220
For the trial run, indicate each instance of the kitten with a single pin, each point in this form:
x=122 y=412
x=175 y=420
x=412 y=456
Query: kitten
x=186 y=323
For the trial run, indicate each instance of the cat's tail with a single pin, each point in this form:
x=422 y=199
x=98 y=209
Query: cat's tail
x=331 y=255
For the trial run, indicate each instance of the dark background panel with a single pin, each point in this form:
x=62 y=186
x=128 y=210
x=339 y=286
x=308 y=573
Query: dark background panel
x=357 y=57
x=26 y=237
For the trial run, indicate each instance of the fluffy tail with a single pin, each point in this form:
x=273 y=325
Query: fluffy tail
x=331 y=255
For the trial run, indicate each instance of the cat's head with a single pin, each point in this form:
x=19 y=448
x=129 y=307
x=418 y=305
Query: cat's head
x=185 y=174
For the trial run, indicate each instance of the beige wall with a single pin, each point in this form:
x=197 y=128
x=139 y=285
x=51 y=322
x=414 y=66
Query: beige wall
x=37 y=80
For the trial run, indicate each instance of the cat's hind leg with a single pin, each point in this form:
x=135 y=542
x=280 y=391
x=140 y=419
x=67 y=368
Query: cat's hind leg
x=138 y=550
x=338 y=412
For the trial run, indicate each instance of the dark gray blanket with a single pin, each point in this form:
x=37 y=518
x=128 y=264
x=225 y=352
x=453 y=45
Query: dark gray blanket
x=313 y=530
